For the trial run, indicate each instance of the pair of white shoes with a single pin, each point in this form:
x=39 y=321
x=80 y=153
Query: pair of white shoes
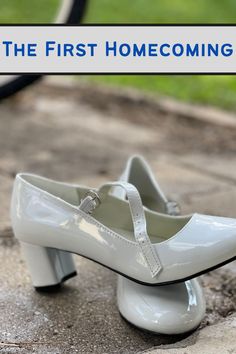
x=130 y=227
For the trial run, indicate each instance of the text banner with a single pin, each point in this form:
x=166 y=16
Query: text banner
x=118 y=49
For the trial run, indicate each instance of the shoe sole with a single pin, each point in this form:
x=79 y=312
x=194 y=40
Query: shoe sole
x=55 y=287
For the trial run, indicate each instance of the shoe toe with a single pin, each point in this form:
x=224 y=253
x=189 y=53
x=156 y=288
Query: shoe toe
x=171 y=309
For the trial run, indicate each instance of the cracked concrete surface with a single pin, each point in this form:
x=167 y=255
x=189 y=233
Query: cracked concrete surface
x=80 y=136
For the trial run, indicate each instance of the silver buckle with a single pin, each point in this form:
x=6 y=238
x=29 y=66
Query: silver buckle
x=90 y=202
x=94 y=197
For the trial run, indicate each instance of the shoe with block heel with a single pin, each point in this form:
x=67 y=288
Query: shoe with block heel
x=143 y=245
x=168 y=309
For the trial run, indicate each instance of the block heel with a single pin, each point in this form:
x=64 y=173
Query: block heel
x=48 y=267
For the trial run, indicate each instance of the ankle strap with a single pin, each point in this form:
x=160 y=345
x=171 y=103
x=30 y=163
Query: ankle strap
x=138 y=217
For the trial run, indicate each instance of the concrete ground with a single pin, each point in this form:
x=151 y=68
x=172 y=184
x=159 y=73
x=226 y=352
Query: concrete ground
x=85 y=135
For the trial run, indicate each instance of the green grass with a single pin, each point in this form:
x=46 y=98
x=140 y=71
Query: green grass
x=209 y=90
x=27 y=11
x=161 y=11
x=216 y=90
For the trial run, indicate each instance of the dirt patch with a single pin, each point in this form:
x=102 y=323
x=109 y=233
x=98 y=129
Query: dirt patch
x=219 y=287
x=179 y=131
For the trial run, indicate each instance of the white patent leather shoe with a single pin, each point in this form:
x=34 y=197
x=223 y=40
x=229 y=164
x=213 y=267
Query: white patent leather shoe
x=169 y=309
x=146 y=247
